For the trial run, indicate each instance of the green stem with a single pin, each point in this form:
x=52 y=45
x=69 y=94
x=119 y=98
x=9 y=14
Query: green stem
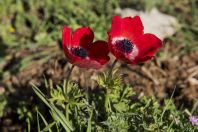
x=111 y=69
x=67 y=112
x=107 y=101
x=65 y=92
x=86 y=87
x=67 y=79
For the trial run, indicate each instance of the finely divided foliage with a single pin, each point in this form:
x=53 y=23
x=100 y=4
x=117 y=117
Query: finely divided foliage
x=113 y=107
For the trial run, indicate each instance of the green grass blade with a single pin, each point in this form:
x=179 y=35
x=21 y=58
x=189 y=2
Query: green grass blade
x=28 y=124
x=57 y=112
x=89 y=122
x=45 y=122
x=38 y=124
x=48 y=127
x=61 y=118
x=167 y=104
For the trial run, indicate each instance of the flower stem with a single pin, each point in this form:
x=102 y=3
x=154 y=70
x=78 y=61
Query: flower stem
x=67 y=79
x=86 y=86
x=107 y=103
x=111 y=69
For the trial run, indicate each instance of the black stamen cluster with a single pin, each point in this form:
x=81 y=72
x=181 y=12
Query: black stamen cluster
x=125 y=45
x=80 y=52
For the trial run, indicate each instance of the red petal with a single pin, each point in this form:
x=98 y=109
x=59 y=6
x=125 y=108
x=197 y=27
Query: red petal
x=132 y=27
x=126 y=27
x=118 y=54
x=99 y=51
x=66 y=36
x=147 y=45
x=70 y=57
x=143 y=59
x=82 y=36
x=116 y=26
x=87 y=63
x=66 y=41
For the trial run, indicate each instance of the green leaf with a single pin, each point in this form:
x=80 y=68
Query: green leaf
x=89 y=122
x=56 y=112
x=45 y=122
x=38 y=124
x=121 y=106
x=48 y=127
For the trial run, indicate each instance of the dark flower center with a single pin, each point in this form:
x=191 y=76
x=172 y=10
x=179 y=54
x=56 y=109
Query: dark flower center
x=80 y=52
x=124 y=45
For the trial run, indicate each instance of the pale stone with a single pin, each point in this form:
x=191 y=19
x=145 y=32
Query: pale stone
x=155 y=22
x=2 y=90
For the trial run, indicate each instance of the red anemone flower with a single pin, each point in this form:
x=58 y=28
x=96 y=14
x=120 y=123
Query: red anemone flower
x=128 y=42
x=81 y=51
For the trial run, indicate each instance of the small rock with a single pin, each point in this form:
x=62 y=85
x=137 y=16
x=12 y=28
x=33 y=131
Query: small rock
x=2 y=90
x=155 y=22
x=193 y=81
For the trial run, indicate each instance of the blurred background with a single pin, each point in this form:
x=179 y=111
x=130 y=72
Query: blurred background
x=30 y=50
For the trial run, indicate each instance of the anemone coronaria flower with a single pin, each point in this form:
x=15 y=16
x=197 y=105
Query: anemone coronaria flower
x=80 y=50
x=127 y=41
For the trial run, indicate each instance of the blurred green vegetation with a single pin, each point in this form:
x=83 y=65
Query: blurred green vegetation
x=29 y=24
x=33 y=24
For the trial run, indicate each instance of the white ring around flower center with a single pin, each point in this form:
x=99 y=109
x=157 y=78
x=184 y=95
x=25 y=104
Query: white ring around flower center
x=131 y=55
